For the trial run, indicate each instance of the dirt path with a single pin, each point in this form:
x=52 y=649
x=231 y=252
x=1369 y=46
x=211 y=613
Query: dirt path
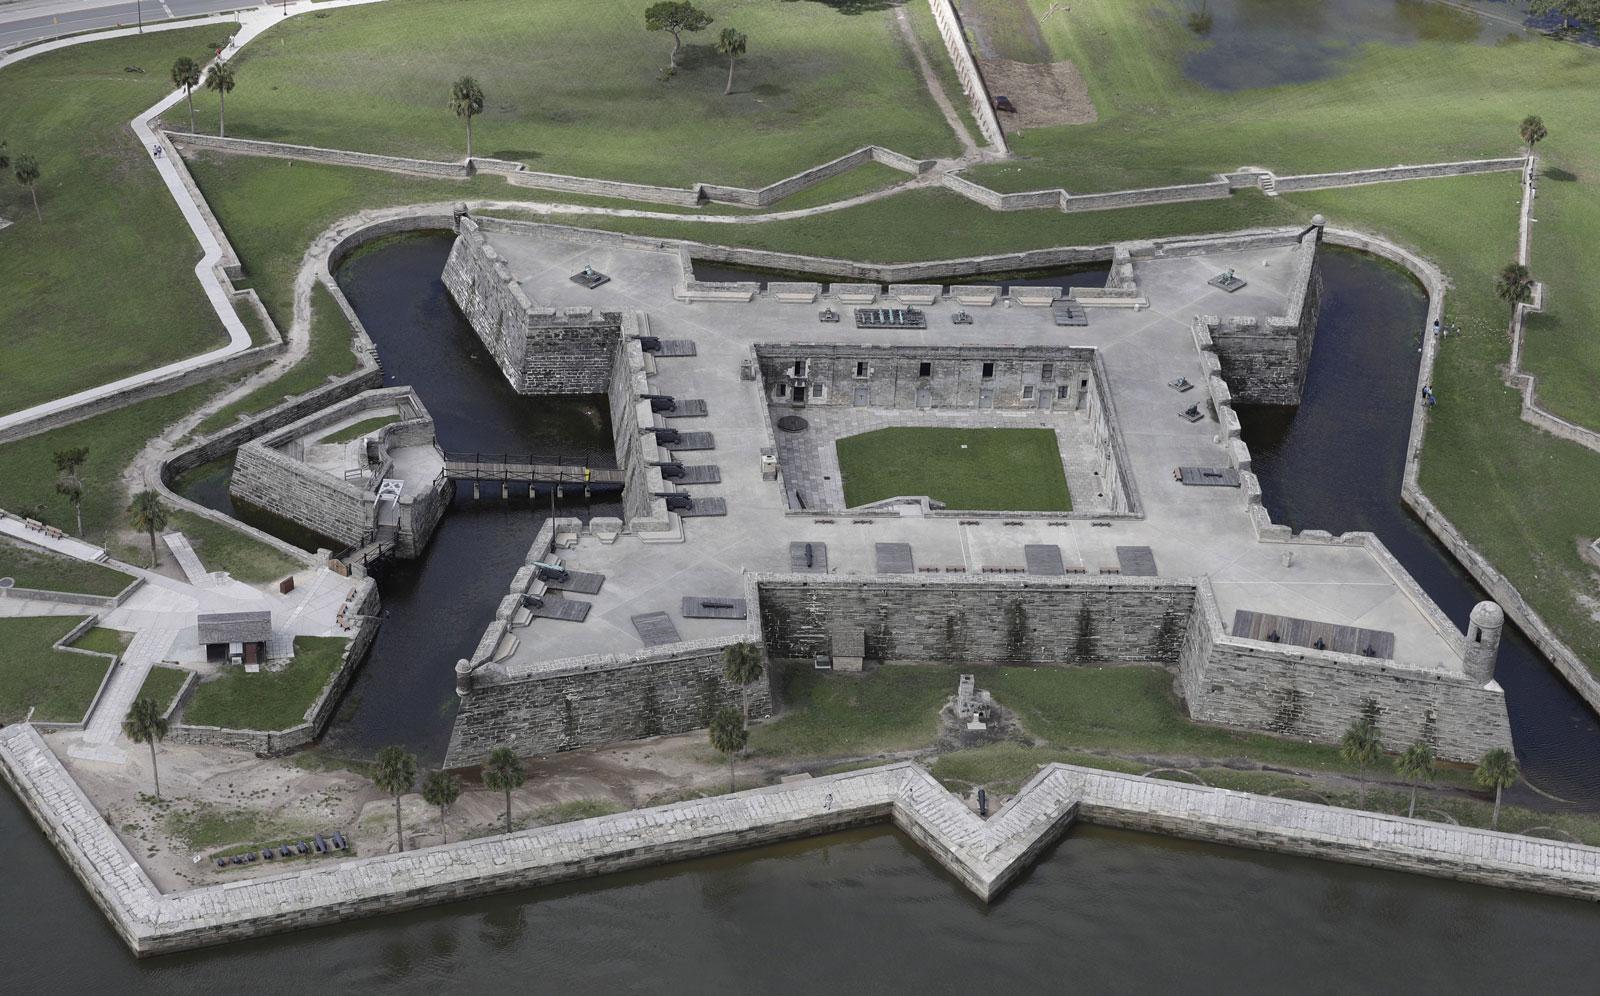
x=930 y=79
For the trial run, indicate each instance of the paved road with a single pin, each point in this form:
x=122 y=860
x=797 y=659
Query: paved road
x=24 y=21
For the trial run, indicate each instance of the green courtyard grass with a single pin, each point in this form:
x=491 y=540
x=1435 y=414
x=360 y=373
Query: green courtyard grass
x=104 y=641
x=102 y=287
x=577 y=86
x=269 y=700
x=828 y=715
x=161 y=685
x=1013 y=469
x=41 y=570
x=58 y=686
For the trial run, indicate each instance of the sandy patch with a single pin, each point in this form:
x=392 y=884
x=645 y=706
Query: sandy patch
x=1045 y=94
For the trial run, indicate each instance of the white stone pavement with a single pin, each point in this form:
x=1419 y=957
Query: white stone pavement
x=75 y=548
x=100 y=738
x=986 y=856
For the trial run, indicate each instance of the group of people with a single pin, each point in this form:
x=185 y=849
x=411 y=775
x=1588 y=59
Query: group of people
x=1428 y=395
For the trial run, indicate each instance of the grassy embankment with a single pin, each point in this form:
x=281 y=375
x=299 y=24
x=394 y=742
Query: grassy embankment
x=577 y=87
x=103 y=286
x=1017 y=469
x=58 y=685
x=44 y=571
x=269 y=700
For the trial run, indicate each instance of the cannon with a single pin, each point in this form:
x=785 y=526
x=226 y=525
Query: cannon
x=663 y=434
x=677 y=501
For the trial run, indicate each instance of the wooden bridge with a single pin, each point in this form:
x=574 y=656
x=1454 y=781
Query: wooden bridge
x=528 y=468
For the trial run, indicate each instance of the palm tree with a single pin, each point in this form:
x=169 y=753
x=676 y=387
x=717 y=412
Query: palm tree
x=146 y=725
x=220 y=80
x=741 y=665
x=1515 y=284
x=1361 y=747
x=395 y=771
x=503 y=772
x=68 y=461
x=1533 y=131
x=441 y=789
x=1498 y=770
x=147 y=514
x=1415 y=765
x=466 y=99
x=729 y=736
x=731 y=43
x=27 y=174
x=185 y=77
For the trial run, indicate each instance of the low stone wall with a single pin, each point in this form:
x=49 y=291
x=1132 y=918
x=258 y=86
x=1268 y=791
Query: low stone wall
x=955 y=42
x=985 y=856
x=1390 y=174
x=72 y=598
x=636 y=452
x=314 y=154
x=64 y=645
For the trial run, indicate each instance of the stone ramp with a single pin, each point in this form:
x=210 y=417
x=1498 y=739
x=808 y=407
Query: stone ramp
x=188 y=560
x=692 y=408
x=102 y=737
x=1044 y=559
x=564 y=609
x=656 y=629
x=704 y=473
x=704 y=507
x=712 y=607
x=894 y=558
x=577 y=582
x=819 y=558
x=1136 y=561
x=1208 y=477
x=693 y=441
x=675 y=347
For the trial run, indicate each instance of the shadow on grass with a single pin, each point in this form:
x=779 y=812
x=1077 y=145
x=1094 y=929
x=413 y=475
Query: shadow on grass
x=856 y=6
x=1559 y=175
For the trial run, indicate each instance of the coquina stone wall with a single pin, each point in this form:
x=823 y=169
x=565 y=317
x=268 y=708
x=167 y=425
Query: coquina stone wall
x=539 y=350
x=1315 y=695
x=1265 y=362
x=637 y=453
x=922 y=620
x=581 y=702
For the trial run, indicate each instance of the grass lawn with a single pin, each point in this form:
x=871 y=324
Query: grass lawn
x=1011 y=469
x=104 y=286
x=270 y=700
x=42 y=570
x=577 y=86
x=32 y=673
x=824 y=714
x=362 y=428
x=162 y=685
x=104 y=640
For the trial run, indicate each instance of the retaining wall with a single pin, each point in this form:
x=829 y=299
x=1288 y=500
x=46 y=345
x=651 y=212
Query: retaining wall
x=955 y=42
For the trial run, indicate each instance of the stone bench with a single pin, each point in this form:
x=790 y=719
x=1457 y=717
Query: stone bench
x=1035 y=297
x=854 y=293
x=795 y=293
x=729 y=292
x=979 y=296
x=916 y=293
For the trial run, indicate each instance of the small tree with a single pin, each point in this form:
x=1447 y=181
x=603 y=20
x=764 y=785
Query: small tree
x=1362 y=748
x=185 y=77
x=466 y=99
x=1498 y=770
x=675 y=18
x=1533 y=131
x=441 y=789
x=148 y=515
x=503 y=772
x=395 y=772
x=146 y=725
x=68 y=462
x=1514 y=285
x=219 y=80
x=731 y=43
x=1415 y=765
x=27 y=173
x=729 y=737
x=741 y=665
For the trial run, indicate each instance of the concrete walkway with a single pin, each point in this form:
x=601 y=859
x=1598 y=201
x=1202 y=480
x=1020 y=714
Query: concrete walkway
x=100 y=738
x=66 y=545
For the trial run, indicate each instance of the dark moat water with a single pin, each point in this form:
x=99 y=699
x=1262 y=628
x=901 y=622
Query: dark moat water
x=1106 y=911
x=865 y=912
x=1336 y=463
x=1261 y=43
x=1065 y=277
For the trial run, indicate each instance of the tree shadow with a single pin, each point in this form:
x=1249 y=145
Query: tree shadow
x=856 y=6
x=768 y=90
x=1559 y=175
x=516 y=155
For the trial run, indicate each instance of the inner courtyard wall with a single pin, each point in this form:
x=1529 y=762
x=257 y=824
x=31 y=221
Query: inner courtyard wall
x=1265 y=362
